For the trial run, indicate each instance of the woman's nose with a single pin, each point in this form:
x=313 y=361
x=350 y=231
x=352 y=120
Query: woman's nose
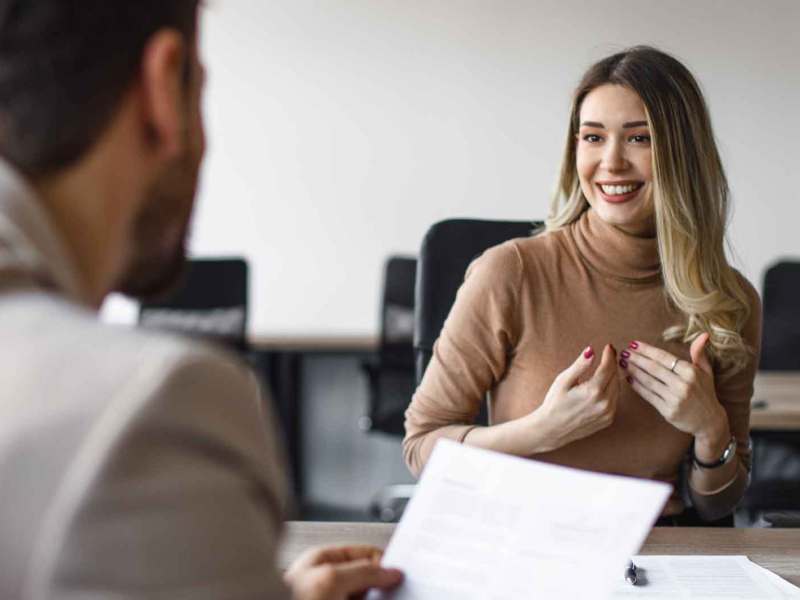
x=614 y=157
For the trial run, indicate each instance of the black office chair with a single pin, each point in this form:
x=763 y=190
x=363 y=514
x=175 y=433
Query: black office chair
x=780 y=339
x=210 y=302
x=447 y=250
x=391 y=372
x=773 y=498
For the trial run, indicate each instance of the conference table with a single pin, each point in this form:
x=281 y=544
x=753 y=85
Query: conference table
x=776 y=402
x=775 y=549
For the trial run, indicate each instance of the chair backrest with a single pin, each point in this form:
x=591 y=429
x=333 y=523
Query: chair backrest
x=780 y=339
x=209 y=302
x=397 y=312
x=391 y=372
x=776 y=455
x=447 y=250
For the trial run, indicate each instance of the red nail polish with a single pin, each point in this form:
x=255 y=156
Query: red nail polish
x=589 y=353
x=633 y=345
x=625 y=354
x=629 y=379
x=623 y=363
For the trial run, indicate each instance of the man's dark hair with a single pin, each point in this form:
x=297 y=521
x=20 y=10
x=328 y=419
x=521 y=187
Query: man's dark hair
x=64 y=67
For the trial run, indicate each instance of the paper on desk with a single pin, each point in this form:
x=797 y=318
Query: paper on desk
x=486 y=525
x=704 y=578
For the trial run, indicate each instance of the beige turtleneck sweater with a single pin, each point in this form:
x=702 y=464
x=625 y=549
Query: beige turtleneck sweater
x=527 y=308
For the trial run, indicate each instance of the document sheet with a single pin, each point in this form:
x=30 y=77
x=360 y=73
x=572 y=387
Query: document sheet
x=485 y=525
x=704 y=578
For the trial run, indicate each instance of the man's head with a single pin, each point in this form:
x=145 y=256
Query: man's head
x=69 y=69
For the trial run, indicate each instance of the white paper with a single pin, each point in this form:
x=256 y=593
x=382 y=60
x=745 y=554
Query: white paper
x=485 y=525
x=788 y=590
x=704 y=578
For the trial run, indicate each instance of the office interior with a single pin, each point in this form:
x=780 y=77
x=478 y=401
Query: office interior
x=339 y=132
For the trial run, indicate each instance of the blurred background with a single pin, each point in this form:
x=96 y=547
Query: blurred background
x=339 y=131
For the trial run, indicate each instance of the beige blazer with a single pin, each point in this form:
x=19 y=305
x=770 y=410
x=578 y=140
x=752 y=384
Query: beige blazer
x=132 y=464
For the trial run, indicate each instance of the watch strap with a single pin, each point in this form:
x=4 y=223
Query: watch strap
x=727 y=455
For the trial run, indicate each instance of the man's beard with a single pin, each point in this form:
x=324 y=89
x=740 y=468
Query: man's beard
x=158 y=238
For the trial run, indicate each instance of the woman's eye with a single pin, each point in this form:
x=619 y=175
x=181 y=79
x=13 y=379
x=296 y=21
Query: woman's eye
x=640 y=139
x=591 y=138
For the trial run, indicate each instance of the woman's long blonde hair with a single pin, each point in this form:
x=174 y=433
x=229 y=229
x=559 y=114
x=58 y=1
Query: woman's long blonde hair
x=690 y=196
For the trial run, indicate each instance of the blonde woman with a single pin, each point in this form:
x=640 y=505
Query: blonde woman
x=632 y=258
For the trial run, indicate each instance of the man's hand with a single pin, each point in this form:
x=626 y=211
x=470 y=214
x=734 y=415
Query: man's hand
x=339 y=573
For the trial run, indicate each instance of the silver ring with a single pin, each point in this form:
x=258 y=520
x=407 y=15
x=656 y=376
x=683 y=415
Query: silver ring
x=675 y=364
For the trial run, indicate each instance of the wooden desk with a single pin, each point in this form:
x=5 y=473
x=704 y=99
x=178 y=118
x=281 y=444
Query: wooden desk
x=775 y=549
x=314 y=344
x=776 y=402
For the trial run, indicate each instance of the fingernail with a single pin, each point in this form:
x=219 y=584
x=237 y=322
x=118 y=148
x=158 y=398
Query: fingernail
x=629 y=379
x=633 y=345
x=614 y=350
x=589 y=353
x=623 y=363
x=625 y=354
x=395 y=574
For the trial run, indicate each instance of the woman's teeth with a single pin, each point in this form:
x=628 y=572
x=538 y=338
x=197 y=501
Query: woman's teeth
x=619 y=190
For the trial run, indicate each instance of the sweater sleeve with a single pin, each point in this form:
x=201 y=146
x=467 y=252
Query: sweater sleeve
x=469 y=357
x=735 y=394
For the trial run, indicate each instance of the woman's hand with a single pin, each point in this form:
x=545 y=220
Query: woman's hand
x=574 y=409
x=682 y=392
x=339 y=573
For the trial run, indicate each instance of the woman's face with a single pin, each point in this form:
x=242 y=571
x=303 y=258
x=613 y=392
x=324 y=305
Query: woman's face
x=614 y=159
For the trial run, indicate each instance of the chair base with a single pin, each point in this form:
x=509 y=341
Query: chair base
x=390 y=502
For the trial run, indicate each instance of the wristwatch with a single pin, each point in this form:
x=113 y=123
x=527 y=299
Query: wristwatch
x=727 y=456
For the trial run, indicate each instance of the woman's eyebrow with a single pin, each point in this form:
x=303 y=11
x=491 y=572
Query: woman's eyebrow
x=628 y=125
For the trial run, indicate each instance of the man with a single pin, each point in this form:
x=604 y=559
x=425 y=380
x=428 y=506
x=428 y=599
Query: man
x=131 y=464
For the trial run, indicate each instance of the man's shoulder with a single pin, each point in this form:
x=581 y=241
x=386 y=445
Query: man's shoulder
x=90 y=407
x=65 y=371
x=66 y=342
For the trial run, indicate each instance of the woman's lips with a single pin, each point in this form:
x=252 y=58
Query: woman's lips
x=622 y=197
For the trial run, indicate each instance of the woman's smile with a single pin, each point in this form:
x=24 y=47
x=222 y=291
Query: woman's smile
x=619 y=192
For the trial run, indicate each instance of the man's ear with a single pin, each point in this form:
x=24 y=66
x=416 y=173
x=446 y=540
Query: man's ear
x=163 y=92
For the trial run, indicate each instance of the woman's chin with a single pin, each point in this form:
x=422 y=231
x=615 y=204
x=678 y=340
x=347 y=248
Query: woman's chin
x=628 y=217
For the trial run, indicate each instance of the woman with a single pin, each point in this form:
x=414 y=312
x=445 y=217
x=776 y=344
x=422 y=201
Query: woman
x=632 y=258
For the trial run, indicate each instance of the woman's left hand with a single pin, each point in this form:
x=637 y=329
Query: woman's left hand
x=682 y=392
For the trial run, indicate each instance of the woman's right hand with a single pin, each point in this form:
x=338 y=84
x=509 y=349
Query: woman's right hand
x=577 y=404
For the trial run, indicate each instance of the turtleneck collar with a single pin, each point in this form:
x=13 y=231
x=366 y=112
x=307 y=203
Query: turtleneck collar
x=614 y=253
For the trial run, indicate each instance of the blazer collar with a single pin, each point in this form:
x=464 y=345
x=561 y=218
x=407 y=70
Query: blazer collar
x=31 y=247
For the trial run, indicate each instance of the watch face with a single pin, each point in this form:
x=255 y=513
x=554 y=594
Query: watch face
x=730 y=450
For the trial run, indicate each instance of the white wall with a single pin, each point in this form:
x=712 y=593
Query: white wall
x=340 y=130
